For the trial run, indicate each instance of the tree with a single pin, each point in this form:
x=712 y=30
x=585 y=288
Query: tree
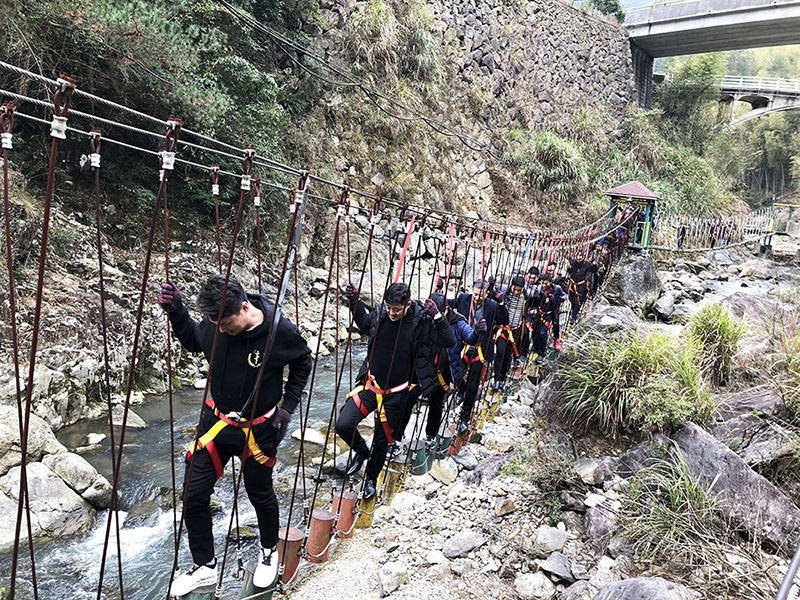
x=609 y=7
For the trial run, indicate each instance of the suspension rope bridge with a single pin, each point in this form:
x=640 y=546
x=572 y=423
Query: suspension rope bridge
x=466 y=249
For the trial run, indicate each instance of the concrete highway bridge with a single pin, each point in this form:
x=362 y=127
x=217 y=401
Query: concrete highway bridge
x=681 y=27
x=764 y=95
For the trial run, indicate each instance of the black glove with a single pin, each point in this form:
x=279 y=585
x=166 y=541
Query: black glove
x=499 y=296
x=170 y=297
x=430 y=307
x=280 y=421
x=351 y=293
x=481 y=325
x=439 y=283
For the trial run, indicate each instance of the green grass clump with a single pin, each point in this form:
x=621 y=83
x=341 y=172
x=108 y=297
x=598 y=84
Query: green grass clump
x=785 y=372
x=718 y=333
x=636 y=381
x=669 y=516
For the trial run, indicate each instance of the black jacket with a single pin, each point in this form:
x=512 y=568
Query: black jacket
x=428 y=336
x=239 y=357
x=494 y=313
x=580 y=276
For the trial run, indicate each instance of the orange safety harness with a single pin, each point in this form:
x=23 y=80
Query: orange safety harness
x=207 y=439
x=507 y=333
x=372 y=386
x=445 y=386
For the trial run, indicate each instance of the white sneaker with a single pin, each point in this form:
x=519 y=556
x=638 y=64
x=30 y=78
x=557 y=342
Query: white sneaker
x=267 y=568
x=197 y=576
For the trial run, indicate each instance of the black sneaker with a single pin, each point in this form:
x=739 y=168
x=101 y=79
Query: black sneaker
x=356 y=462
x=369 y=489
x=395 y=450
x=430 y=443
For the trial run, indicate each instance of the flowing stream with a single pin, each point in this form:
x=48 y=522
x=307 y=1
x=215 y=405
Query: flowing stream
x=70 y=568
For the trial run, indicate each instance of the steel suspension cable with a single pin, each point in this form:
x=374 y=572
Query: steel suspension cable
x=94 y=146
x=167 y=164
x=61 y=102
x=6 y=132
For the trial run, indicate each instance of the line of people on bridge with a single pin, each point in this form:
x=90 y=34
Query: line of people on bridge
x=446 y=347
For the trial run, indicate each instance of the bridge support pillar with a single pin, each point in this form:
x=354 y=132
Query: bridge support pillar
x=642 y=75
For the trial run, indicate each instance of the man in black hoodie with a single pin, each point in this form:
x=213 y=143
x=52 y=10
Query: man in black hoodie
x=225 y=430
x=403 y=338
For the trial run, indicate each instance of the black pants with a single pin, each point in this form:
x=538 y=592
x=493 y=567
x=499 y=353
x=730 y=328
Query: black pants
x=504 y=351
x=576 y=300
x=394 y=405
x=435 y=409
x=540 y=337
x=257 y=481
x=470 y=384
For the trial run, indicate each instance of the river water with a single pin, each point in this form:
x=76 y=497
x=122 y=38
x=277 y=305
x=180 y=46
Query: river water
x=70 y=568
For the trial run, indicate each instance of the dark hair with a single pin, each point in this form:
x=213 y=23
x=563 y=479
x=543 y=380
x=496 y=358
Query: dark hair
x=518 y=281
x=547 y=279
x=397 y=293
x=533 y=271
x=481 y=284
x=210 y=297
x=441 y=304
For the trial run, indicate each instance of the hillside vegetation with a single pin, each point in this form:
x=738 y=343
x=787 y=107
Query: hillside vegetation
x=194 y=59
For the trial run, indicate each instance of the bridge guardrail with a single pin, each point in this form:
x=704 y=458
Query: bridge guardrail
x=766 y=84
x=640 y=15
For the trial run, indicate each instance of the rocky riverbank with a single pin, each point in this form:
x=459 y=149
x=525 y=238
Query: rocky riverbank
x=533 y=511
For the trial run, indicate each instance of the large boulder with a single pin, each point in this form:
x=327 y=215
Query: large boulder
x=755 y=308
x=41 y=440
x=645 y=588
x=606 y=319
x=758 y=440
x=82 y=477
x=749 y=499
x=56 y=509
x=634 y=282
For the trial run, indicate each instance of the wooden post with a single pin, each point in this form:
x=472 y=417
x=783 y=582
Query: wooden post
x=366 y=513
x=344 y=504
x=249 y=590
x=320 y=536
x=391 y=481
x=202 y=593
x=291 y=540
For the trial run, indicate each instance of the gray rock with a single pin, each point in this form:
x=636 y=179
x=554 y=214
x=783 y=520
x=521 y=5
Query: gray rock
x=664 y=307
x=549 y=540
x=76 y=472
x=462 y=543
x=534 y=586
x=573 y=522
x=605 y=319
x=445 y=470
x=56 y=509
x=466 y=460
x=41 y=440
x=559 y=565
x=392 y=575
x=460 y=566
x=600 y=525
x=724 y=258
x=759 y=441
x=582 y=590
x=750 y=500
x=634 y=282
x=645 y=588
x=571 y=500
x=636 y=459
x=142 y=514
x=754 y=401
x=589 y=470
x=134 y=421
x=504 y=506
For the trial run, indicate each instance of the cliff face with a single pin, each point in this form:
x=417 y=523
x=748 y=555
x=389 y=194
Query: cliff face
x=544 y=60
x=491 y=69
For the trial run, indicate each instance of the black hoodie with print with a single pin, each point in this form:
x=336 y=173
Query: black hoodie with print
x=239 y=357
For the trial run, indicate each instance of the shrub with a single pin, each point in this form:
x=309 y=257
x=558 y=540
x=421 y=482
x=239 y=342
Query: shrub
x=785 y=372
x=617 y=385
x=718 y=334
x=668 y=516
x=549 y=162
x=373 y=35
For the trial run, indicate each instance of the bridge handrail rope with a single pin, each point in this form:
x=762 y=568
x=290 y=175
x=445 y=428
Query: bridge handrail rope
x=275 y=165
